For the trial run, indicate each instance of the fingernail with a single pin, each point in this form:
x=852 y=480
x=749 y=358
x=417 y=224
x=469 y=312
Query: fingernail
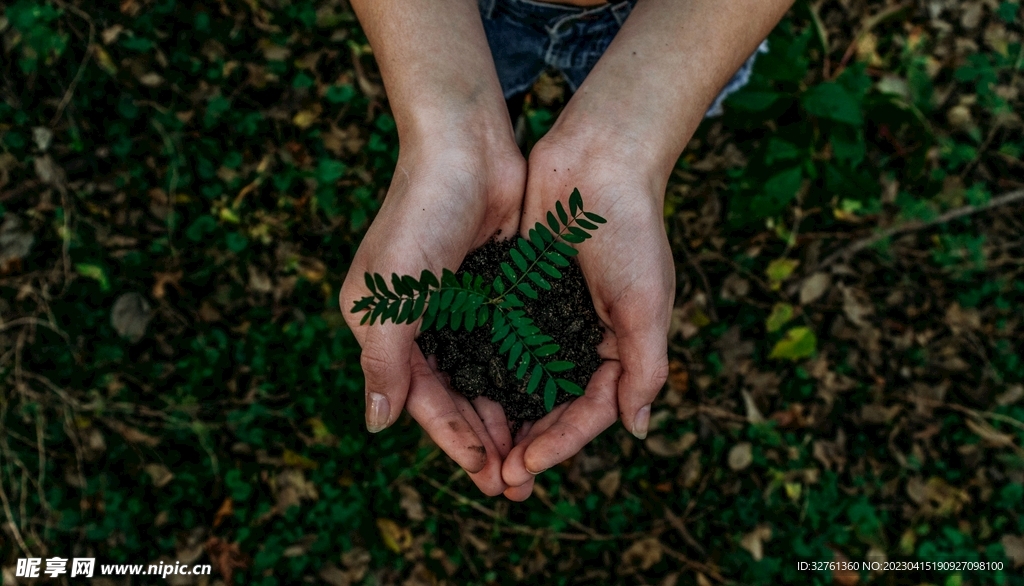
x=641 y=421
x=534 y=473
x=378 y=413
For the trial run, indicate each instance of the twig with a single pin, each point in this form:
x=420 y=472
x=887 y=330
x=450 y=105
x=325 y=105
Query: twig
x=703 y=568
x=707 y=284
x=869 y=24
x=81 y=68
x=845 y=253
x=10 y=522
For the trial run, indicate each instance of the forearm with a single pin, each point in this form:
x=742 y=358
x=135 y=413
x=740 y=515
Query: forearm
x=653 y=85
x=437 y=66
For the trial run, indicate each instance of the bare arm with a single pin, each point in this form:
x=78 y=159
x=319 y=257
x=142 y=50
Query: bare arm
x=664 y=68
x=437 y=66
x=617 y=141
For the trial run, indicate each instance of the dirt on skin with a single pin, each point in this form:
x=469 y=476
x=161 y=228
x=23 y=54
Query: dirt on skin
x=472 y=362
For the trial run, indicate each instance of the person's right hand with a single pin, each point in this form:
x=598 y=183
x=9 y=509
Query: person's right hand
x=449 y=195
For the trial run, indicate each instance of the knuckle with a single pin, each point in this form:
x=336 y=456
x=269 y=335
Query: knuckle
x=375 y=362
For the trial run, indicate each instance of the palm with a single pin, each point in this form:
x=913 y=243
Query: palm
x=436 y=211
x=628 y=268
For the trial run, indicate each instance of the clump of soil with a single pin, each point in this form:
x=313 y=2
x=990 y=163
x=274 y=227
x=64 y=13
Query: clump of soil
x=472 y=362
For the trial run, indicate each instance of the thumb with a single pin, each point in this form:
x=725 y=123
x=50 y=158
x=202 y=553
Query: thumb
x=643 y=355
x=385 y=361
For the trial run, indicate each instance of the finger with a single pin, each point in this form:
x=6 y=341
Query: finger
x=519 y=493
x=387 y=349
x=496 y=424
x=514 y=471
x=433 y=407
x=584 y=420
x=488 y=479
x=643 y=353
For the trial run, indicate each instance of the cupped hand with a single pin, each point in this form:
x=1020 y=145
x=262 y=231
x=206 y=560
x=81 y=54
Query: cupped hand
x=443 y=202
x=629 y=269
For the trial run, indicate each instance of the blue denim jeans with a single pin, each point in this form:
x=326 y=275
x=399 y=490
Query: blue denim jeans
x=527 y=37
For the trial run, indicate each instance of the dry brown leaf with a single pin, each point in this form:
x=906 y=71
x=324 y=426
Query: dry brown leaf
x=754 y=415
x=990 y=435
x=753 y=542
x=960 y=320
x=411 y=503
x=843 y=577
x=131 y=434
x=130 y=316
x=225 y=557
x=690 y=474
x=814 y=287
x=227 y=508
x=290 y=488
x=642 y=555
x=609 y=483
x=160 y=474
x=1013 y=545
x=659 y=445
x=741 y=455
x=856 y=305
x=1012 y=395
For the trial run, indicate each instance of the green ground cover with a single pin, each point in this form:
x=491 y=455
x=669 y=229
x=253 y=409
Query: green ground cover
x=183 y=185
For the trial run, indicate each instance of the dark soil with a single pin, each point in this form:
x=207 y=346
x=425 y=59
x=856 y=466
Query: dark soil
x=566 y=313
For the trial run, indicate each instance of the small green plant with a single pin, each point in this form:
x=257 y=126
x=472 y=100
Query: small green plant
x=471 y=303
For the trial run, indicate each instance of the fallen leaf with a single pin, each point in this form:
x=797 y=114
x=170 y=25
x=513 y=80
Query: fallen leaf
x=814 y=287
x=799 y=342
x=609 y=483
x=411 y=503
x=990 y=435
x=960 y=320
x=856 y=305
x=642 y=555
x=741 y=455
x=753 y=413
x=227 y=508
x=225 y=557
x=659 y=445
x=290 y=488
x=130 y=316
x=396 y=538
x=160 y=474
x=779 y=270
x=15 y=241
x=1013 y=545
x=131 y=434
x=842 y=576
x=1011 y=396
x=297 y=460
x=753 y=542
x=690 y=474
x=781 y=313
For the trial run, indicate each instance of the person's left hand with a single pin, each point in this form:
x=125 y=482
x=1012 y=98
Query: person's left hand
x=629 y=269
